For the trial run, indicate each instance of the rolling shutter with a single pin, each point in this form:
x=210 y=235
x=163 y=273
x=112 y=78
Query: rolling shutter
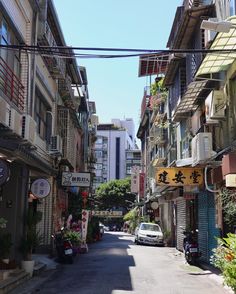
x=181 y=222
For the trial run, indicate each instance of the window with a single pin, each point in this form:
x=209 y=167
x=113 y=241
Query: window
x=4 y=39
x=232 y=7
x=40 y=116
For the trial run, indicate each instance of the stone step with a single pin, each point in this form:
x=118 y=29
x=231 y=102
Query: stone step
x=38 y=268
x=16 y=278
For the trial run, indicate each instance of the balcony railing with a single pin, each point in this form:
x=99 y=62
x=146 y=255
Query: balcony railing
x=146 y=100
x=56 y=65
x=11 y=85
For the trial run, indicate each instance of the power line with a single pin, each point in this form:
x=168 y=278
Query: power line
x=69 y=52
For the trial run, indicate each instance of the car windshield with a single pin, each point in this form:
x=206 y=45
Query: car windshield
x=150 y=227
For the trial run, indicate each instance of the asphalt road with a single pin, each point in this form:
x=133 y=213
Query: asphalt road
x=116 y=265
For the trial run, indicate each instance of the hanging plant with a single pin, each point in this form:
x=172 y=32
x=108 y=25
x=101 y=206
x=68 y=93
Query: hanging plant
x=228 y=200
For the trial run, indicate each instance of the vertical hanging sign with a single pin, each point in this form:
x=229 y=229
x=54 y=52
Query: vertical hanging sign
x=141 y=185
x=134 y=179
x=85 y=217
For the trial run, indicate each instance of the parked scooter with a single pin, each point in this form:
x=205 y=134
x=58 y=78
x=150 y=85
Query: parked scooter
x=190 y=246
x=63 y=246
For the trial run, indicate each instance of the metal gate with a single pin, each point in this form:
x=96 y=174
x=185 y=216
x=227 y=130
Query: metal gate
x=181 y=222
x=206 y=225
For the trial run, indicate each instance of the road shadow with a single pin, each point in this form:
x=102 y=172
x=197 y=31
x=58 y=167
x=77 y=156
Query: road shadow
x=102 y=270
x=109 y=262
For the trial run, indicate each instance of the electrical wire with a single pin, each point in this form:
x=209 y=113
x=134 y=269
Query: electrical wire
x=68 y=52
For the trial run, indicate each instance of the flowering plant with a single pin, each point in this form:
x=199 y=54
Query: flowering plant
x=224 y=258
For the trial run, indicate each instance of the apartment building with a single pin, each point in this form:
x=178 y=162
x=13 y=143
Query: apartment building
x=114 y=141
x=44 y=117
x=200 y=133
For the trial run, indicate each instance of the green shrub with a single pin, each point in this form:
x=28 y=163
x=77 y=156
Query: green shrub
x=224 y=258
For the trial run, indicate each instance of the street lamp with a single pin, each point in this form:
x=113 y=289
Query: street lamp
x=219 y=26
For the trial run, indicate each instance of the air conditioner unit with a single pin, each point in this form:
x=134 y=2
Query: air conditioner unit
x=202 y=148
x=28 y=128
x=55 y=145
x=5 y=112
x=215 y=106
x=16 y=121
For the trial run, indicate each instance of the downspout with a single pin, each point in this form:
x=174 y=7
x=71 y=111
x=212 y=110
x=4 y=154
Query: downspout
x=32 y=69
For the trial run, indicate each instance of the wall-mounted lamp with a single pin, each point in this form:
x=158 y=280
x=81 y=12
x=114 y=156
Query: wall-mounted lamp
x=219 y=26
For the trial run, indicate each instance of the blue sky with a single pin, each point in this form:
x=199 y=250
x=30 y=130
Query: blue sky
x=114 y=83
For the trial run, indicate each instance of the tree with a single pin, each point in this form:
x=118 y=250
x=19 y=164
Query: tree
x=114 y=194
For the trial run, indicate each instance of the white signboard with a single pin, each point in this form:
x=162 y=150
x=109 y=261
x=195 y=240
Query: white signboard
x=75 y=179
x=107 y=213
x=134 y=179
x=40 y=188
x=230 y=180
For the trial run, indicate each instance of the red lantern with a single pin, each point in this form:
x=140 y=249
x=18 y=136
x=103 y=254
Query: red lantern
x=84 y=194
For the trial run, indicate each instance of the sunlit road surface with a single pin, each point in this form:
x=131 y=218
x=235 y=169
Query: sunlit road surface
x=116 y=265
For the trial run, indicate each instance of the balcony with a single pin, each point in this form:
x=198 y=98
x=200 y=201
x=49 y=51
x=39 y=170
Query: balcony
x=64 y=87
x=145 y=101
x=66 y=128
x=56 y=65
x=187 y=21
x=11 y=86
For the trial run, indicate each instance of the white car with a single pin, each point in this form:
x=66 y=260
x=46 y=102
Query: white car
x=149 y=233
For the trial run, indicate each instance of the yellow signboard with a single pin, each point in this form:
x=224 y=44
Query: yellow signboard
x=179 y=176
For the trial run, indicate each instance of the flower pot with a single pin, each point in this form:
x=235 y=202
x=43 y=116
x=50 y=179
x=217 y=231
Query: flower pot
x=6 y=260
x=28 y=266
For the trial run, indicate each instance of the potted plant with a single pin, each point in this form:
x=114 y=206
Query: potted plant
x=31 y=239
x=5 y=247
x=75 y=238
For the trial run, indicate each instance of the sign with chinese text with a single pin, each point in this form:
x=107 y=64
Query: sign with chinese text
x=141 y=185
x=4 y=172
x=75 y=179
x=107 y=213
x=134 y=179
x=85 y=218
x=179 y=176
x=40 y=188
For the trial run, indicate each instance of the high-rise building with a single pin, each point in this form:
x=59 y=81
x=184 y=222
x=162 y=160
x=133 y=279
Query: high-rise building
x=114 y=141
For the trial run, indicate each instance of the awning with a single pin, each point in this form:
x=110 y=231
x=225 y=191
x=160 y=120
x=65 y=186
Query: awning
x=188 y=102
x=153 y=64
x=185 y=24
x=216 y=62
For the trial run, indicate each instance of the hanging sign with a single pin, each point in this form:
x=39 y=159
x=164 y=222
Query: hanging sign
x=134 y=179
x=182 y=176
x=75 y=179
x=85 y=217
x=141 y=185
x=107 y=213
x=4 y=172
x=40 y=188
